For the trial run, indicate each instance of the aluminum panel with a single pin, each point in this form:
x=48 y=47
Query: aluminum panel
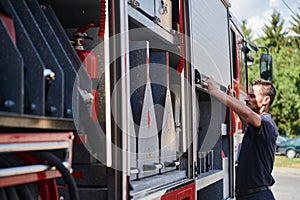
x=210 y=41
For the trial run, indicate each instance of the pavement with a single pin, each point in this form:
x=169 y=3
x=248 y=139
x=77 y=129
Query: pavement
x=285 y=170
x=287 y=183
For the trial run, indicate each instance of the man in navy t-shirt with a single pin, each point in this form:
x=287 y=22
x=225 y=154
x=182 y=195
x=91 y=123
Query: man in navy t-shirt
x=256 y=159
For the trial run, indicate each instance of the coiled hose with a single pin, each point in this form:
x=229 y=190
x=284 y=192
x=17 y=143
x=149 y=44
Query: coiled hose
x=56 y=162
x=27 y=191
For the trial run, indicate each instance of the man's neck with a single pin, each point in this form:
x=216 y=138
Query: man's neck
x=263 y=110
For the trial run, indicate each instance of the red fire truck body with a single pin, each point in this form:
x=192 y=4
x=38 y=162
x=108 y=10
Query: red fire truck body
x=106 y=99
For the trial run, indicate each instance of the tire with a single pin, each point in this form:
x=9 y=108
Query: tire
x=291 y=153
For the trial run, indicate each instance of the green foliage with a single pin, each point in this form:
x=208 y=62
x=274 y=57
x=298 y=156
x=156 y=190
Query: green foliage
x=295 y=28
x=286 y=109
x=286 y=71
x=274 y=33
x=283 y=161
x=247 y=31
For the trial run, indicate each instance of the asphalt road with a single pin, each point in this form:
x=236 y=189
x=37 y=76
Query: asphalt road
x=287 y=185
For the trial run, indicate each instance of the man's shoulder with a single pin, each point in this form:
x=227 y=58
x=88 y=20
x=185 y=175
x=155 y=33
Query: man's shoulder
x=266 y=117
x=269 y=123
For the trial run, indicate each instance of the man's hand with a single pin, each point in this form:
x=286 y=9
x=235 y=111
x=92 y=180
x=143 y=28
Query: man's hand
x=211 y=85
x=230 y=91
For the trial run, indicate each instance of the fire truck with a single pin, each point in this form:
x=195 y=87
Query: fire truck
x=106 y=99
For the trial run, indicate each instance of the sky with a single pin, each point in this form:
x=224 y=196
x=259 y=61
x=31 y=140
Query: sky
x=258 y=12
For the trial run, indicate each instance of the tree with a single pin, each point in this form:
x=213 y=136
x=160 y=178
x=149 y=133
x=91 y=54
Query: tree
x=286 y=108
x=286 y=73
x=247 y=31
x=274 y=33
x=295 y=28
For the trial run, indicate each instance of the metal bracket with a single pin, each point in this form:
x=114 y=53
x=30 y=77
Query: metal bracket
x=134 y=3
x=156 y=20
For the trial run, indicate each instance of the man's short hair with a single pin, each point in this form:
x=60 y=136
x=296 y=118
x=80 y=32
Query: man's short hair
x=268 y=88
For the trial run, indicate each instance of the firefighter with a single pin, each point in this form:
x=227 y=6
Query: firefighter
x=256 y=159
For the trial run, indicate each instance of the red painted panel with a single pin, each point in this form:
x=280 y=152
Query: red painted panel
x=9 y=25
x=184 y=193
x=48 y=190
x=28 y=178
x=34 y=137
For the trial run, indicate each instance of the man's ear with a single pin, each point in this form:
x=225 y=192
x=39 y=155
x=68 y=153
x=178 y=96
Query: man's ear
x=266 y=100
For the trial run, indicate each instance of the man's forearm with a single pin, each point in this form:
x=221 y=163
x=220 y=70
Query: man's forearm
x=246 y=114
x=237 y=106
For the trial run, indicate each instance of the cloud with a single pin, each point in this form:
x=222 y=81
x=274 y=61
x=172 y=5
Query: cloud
x=258 y=12
x=257 y=22
x=246 y=9
x=274 y=3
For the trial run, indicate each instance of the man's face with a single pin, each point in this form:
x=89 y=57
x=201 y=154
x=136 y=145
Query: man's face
x=255 y=98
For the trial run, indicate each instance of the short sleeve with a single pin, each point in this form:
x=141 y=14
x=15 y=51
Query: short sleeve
x=267 y=126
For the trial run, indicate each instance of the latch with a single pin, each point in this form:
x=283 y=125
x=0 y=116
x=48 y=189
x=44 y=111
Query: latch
x=164 y=7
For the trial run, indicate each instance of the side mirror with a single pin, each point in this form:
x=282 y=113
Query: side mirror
x=266 y=66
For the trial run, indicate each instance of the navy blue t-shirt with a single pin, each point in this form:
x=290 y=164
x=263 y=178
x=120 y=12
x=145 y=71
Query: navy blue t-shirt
x=256 y=159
